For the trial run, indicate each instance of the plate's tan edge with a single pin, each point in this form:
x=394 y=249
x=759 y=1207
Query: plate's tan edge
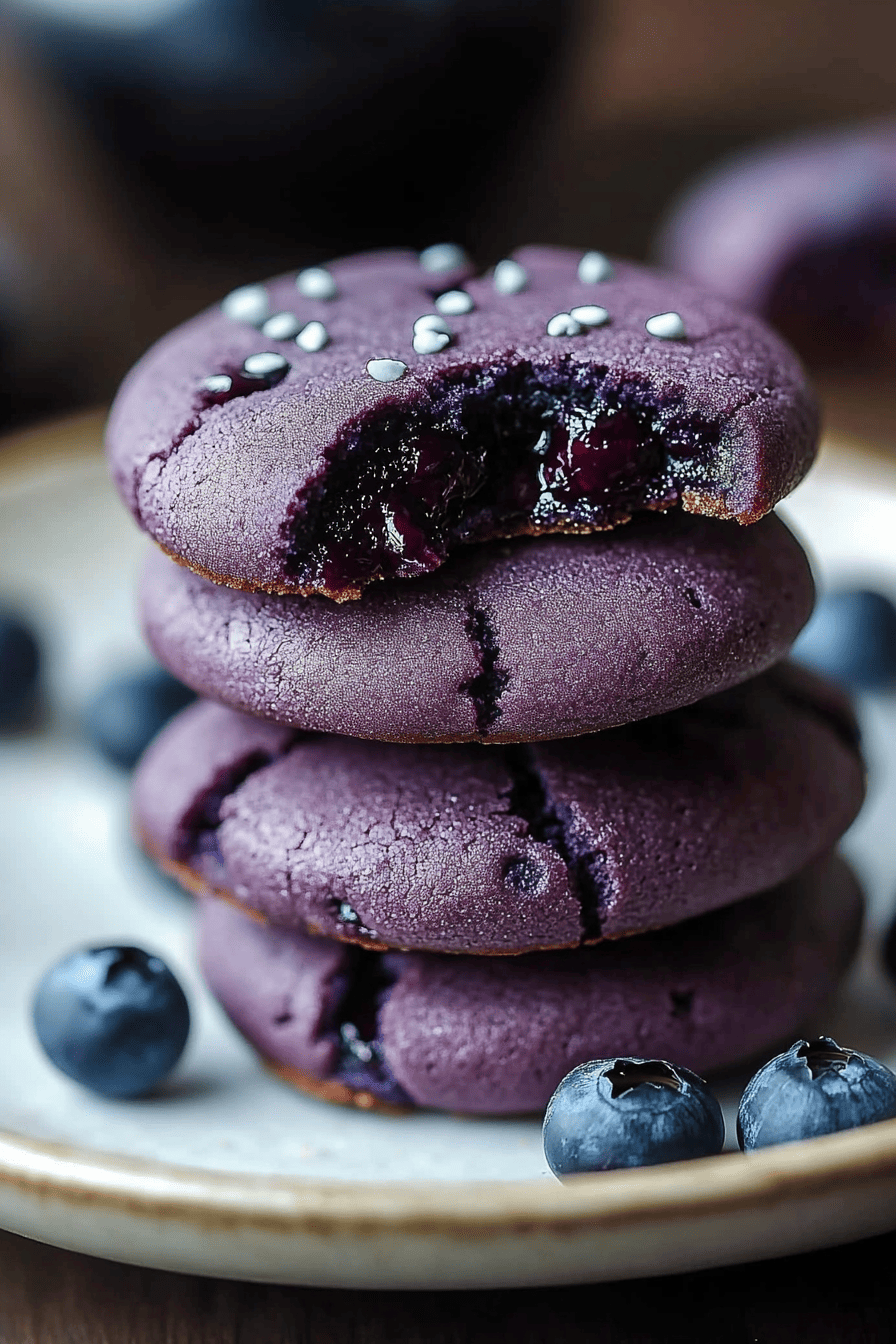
x=57 y=443
x=610 y=1200
x=209 y=1200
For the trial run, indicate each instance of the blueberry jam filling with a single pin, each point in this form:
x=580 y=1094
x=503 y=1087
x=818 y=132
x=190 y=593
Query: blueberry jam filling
x=360 y=993
x=491 y=454
x=524 y=876
x=554 y=824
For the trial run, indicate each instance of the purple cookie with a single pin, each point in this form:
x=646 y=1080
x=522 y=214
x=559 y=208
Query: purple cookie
x=802 y=231
x=506 y=849
x=571 y=394
x=495 y=1035
x=507 y=642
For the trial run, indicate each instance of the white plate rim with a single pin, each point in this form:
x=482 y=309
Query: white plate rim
x=35 y=1173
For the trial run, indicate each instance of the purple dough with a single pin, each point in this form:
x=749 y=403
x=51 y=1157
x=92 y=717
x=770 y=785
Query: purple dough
x=802 y=231
x=496 y=1035
x=507 y=849
x=538 y=638
x=319 y=478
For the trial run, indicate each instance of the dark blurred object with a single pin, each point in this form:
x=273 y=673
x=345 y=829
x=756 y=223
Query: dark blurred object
x=274 y=130
x=631 y=99
x=124 y=716
x=155 y=154
x=802 y=231
x=888 y=950
x=852 y=638
x=19 y=669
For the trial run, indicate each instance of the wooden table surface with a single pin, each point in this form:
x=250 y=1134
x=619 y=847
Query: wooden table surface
x=841 y=1296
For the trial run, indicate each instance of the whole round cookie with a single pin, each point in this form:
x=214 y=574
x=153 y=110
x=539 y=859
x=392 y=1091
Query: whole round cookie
x=312 y=437
x=802 y=231
x=495 y=1035
x=509 y=641
x=505 y=849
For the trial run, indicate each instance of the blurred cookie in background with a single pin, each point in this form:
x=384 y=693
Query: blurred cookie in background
x=802 y=231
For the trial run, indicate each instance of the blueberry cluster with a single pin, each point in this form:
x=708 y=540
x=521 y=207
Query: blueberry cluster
x=615 y=1113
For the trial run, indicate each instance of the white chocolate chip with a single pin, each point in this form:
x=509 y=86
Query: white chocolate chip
x=264 y=364
x=666 y=326
x=247 y=304
x=316 y=282
x=386 y=370
x=563 y=324
x=454 y=303
x=590 y=315
x=313 y=337
x=429 y=342
x=431 y=322
x=509 y=277
x=595 y=267
x=443 y=257
x=281 y=327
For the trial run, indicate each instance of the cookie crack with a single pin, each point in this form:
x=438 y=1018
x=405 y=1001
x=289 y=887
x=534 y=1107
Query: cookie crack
x=352 y=1022
x=489 y=684
x=555 y=824
x=197 y=832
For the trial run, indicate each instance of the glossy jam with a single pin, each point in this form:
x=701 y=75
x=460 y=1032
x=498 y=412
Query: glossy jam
x=601 y=459
x=360 y=994
x=487 y=459
x=390 y=522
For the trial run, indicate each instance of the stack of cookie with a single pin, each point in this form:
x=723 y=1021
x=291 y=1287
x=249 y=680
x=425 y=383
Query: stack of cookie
x=499 y=768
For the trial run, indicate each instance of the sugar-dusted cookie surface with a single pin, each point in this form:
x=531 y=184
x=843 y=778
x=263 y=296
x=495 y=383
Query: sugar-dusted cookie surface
x=312 y=436
x=508 y=641
x=505 y=849
x=495 y=1035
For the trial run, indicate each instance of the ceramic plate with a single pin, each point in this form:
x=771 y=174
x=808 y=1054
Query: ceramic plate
x=228 y=1171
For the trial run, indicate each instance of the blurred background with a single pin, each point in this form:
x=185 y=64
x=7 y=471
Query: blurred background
x=156 y=153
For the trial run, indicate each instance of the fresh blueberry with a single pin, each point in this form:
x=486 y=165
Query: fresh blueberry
x=815 y=1087
x=852 y=637
x=125 y=715
x=19 y=668
x=113 y=1018
x=630 y=1113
